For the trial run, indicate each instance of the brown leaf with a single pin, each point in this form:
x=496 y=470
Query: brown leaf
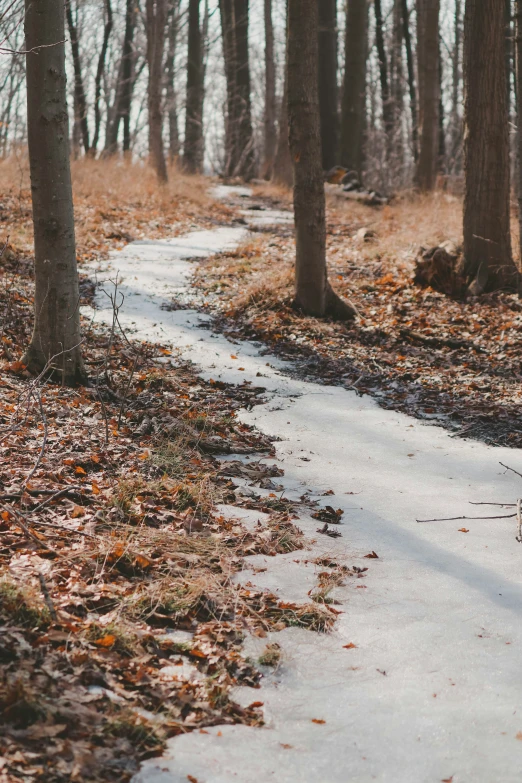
x=105 y=641
x=350 y=646
x=78 y=511
x=372 y=555
x=320 y=721
x=463 y=530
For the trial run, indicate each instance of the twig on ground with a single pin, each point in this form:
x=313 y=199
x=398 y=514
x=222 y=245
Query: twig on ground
x=47 y=597
x=454 y=519
x=511 y=469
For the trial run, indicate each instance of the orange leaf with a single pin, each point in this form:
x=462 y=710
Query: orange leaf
x=105 y=641
x=463 y=530
x=95 y=488
x=350 y=646
x=68 y=461
x=256 y=704
x=318 y=720
x=80 y=470
x=232 y=356
x=95 y=458
x=240 y=368
x=6 y=516
x=78 y=511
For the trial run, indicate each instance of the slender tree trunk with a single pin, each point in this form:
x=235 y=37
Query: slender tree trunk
x=411 y=79
x=270 y=94
x=123 y=98
x=313 y=293
x=518 y=75
x=99 y=75
x=328 y=100
x=170 y=69
x=156 y=15
x=387 y=109
x=441 y=152
x=456 y=123
x=396 y=82
x=193 y=149
x=56 y=336
x=283 y=173
x=78 y=78
x=429 y=74
x=488 y=263
x=229 y=55
x=246 y=152
x=353 y=116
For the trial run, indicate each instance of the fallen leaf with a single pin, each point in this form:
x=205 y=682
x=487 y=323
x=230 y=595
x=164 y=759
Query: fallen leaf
x=78 y=511
x=318 y=720
x=256 y=704
x=463 y=530
x=372 y=555
x=285 y=745
x=79 y=470
x=518 y=736
x=105 y=641
x=350 y=646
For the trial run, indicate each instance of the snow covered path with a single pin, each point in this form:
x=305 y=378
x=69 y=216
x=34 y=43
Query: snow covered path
x=433 y=689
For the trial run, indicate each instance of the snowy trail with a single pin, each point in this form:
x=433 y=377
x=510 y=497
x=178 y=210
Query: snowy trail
x=433 y=689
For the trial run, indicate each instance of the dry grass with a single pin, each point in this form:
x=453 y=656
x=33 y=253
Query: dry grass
x=115 y=201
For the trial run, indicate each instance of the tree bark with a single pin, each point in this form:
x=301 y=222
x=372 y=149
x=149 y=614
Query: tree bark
x=488 y=263
x=456 y=122
x=226 y=8
x=270 y=135
x=99 y=75
x=518 y=77
x=156 y=17
x=353 y=115
x=411 y=79
x=283 y=173
x=55 y=342
x=124 y=87
x=396 y=82
x=328 y=100
x=79 y=90
x=193 y=149
x=387 y=110
x=313 y=294
x=429 y=75
x=170 y=69
x=246 y=152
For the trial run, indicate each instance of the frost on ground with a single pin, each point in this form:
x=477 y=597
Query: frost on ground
x=420 y=679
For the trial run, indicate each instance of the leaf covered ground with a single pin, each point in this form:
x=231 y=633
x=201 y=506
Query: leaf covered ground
x=121 y=618
x=454 y=363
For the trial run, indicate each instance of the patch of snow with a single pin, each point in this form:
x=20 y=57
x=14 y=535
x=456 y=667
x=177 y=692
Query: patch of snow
x=432 y=689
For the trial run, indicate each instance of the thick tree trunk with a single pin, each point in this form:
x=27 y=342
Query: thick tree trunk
x=156 y=16
x=270 y=140
x=193 y=149
x=78 y=78
x=170 y=69
x=313 y=294
x=123 y=98
x=488 y=263
x=353 y=116
x=387 y=109
x=411 y=79
x=429 y=75
x=56 y=336
x=99 y=75
x=328 y=100
x=246 y=152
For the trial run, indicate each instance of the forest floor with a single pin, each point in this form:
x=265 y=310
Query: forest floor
x=139 y=581
x=454 y=362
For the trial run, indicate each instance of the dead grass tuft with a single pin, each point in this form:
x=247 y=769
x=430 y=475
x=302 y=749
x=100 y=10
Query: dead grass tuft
x=22 y=606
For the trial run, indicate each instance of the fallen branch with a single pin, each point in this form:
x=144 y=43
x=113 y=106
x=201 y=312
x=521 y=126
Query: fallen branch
x=511 y=469
x=454 y=519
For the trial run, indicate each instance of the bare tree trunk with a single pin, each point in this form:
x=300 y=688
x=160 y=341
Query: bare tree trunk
x=429 y=74
x=99 y=75
x=353 y=116
x=488 y=263
x=123 y=99
x=396 y=83
x=328 y=100
x=156 y=15
x=270 y=94
x=246 y=152
x=313 y=293
x=78 y=78
x=193 y=149
x=387 y=111
x=229 y=55
x=170 y=69
x=283 y=173
x=56 y=336
x=411 y=79
x=456 y=123
x=518 y=76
